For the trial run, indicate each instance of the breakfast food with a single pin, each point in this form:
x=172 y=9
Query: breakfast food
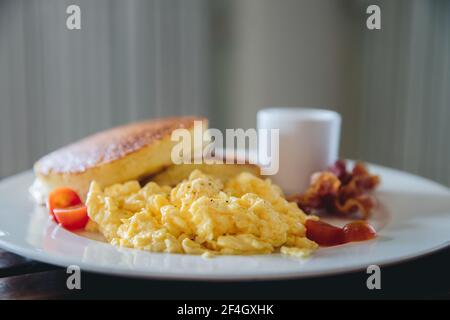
x=117 y=155
x=176 y=173
x=200 y=215
x=326 y=235
x=122 y=184
x=338 y=191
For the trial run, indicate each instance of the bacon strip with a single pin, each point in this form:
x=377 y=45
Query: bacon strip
x=339 y=191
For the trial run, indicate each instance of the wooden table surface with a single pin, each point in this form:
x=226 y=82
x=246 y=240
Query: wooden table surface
x=427 y=277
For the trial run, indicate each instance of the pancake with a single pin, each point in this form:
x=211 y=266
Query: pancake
x=176 y=173
x=117 y=155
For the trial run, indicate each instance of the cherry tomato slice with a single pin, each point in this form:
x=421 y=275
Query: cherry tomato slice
x=72 y=218
x=61 y=198
x=358 y=231
x=324 y=234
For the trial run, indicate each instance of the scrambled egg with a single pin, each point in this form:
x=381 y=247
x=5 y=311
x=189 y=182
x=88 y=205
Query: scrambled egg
x=201 y=215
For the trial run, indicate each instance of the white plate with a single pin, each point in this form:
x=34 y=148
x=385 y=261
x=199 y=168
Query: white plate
x=413 y=219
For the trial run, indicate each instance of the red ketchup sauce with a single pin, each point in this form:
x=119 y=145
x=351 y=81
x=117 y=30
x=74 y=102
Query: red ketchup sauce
x=326 y=235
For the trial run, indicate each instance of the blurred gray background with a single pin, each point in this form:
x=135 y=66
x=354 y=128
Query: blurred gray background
x=226 y=59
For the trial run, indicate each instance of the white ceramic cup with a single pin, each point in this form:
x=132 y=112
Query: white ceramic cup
x=309 y=142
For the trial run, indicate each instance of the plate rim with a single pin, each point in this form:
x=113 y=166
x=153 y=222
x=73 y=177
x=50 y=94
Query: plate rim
x=157 y=275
